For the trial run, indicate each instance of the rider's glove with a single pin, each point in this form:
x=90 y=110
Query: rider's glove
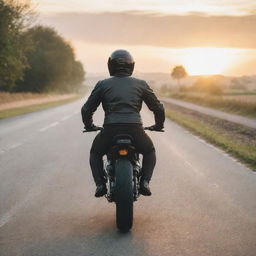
x=155 y=128
x=92 y=128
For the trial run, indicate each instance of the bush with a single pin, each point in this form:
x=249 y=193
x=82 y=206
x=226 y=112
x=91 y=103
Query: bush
x=52 y=64
x=34 y=59
x=14 y=16
x=207 y=85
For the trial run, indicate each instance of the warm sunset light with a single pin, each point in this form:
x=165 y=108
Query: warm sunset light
x=206 y=37
x=207 y=61
x=128 y=127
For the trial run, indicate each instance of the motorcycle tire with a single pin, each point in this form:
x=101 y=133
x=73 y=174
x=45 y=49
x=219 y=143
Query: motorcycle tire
x=124 y=194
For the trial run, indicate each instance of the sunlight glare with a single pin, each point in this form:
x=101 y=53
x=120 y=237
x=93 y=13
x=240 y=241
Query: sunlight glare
x=207 y=61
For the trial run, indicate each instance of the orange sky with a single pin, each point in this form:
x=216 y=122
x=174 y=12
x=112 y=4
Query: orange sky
x=207 y=37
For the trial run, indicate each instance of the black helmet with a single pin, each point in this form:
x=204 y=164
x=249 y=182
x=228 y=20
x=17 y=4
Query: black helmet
x=120 y=61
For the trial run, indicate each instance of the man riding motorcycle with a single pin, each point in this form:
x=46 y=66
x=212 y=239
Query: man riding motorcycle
x=121 y=96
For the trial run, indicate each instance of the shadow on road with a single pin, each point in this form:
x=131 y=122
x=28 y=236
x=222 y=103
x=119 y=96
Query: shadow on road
x=70 y=234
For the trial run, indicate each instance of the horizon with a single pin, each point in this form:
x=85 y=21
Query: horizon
x=206 y=37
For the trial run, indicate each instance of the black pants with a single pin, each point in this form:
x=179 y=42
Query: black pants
x=102 y=143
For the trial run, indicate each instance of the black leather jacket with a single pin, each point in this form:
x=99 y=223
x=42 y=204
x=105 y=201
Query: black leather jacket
x=121 y=97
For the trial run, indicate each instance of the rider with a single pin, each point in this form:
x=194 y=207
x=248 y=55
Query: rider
x=121 y=96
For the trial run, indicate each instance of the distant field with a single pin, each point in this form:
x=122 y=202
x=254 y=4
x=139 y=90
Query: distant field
x=237 y=104
x=243 y=98
x=14 y=100
x=6 y=97
x=12 y=104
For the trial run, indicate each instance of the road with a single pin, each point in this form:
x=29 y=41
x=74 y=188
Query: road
x=250 y=122
x=203 y=201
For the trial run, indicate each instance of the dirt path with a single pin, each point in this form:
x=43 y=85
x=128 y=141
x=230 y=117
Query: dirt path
x=212 y=112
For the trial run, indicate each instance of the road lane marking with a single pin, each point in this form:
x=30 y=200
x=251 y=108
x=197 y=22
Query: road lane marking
x=33 y=192
x=65 y=118
x=215 y=185
x=15 y=208
x=48 y=127
x=184 y=160
x=222 y=152
x=14 y=146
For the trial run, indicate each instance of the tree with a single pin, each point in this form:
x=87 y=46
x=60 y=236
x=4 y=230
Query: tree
x=51 y=64
x=14 y=17
x=178 y=73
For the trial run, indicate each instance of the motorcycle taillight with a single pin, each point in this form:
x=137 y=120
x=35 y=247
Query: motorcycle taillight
x=123 y=152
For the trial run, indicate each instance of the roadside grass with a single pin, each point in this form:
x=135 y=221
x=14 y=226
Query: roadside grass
x=245 y=152
x=32 y=108
x=245 y=105
x=6 y=97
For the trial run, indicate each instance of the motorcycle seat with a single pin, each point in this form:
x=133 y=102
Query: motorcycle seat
x=122 y=139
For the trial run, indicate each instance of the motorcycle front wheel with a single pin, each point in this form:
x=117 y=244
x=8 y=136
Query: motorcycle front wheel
x=124 y=194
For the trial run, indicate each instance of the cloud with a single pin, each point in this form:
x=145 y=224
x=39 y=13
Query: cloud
x=174 y=31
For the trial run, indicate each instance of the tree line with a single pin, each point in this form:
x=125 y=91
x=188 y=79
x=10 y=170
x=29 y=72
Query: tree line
x=34 y=58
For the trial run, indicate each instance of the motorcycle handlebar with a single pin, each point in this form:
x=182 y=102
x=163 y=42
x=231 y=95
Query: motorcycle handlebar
x=101 y=128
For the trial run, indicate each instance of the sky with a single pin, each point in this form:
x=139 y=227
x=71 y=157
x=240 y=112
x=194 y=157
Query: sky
x=205 y=36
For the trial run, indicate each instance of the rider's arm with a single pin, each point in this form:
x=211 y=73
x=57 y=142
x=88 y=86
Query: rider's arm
x=154 y=105
x=91 y=105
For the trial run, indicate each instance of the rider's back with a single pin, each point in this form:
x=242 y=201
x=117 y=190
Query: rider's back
x=121 y=98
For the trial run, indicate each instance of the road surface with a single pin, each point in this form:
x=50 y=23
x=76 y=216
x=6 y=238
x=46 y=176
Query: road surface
x=250 y=122
x=203 y=201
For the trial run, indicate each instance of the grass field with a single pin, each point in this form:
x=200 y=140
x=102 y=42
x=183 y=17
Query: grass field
x=237 y=140
x=21 y=103
x=238 y=104
x=240 y=97
x=6 y=97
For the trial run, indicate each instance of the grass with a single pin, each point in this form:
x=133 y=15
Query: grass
x=245 y=152
x=27 y=109
x=235 y=104
x=6 y=97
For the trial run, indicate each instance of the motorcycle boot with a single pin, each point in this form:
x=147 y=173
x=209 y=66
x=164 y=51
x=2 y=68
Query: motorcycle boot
x=144 y=188
x=101 y=190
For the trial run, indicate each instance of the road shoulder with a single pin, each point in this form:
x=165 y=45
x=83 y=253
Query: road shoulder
x=235 y=139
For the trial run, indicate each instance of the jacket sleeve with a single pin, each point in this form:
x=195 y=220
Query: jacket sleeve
x=91 y=105
x=154 y=105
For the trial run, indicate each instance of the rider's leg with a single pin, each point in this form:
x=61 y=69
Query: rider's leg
x=145 y=146
x=96 y=164
x=96 y=161
x=148 y=165
x=99 y=148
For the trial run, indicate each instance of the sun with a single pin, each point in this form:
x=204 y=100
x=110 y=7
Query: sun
x=207 y=61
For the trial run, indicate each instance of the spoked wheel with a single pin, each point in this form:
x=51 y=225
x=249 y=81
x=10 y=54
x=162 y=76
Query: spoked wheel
x=124 y=195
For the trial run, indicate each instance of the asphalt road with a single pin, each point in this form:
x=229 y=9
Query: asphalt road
x=250 y=122
x=203 y=201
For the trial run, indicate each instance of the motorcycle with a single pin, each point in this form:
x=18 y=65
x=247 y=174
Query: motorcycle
x=122 y=171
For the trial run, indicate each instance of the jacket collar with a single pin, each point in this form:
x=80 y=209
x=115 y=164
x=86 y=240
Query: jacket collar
x=121 y=74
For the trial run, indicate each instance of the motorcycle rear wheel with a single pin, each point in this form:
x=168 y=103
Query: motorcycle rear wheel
x=124 y=194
